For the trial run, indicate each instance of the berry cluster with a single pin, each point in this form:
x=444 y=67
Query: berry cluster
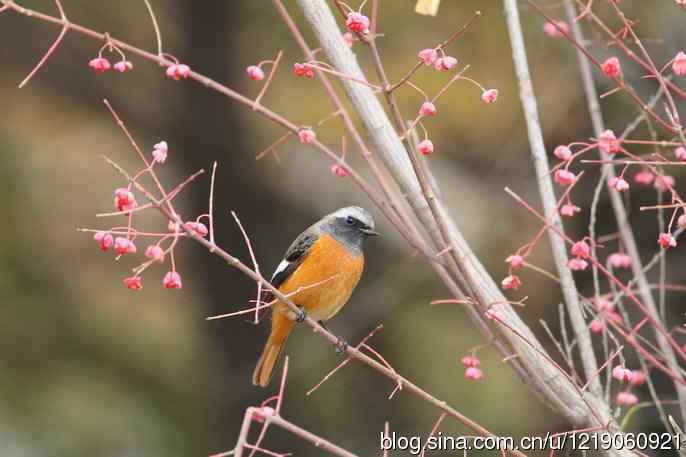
x=161 y=245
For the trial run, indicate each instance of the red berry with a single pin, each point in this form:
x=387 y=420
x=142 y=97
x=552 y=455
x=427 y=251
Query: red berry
x=490 y=96
x=172 y=280
x=178 y=71
x=426 y=147
x=611 y=67
x=679 y=64
x=105 y=240
x=255 y=73
x=99 y=64
x=133 y=283
x=307 y=136
x=339 y=171
x=357 y=22
x=428 y=56
x=427 y=109
x=123 y=66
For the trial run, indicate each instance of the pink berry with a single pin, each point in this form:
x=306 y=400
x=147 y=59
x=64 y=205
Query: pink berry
x=133 y=283
x=489 y=96
x=621 y=373
x=255 y=73
x=470 y=361
x=563 y=152
x=105 y=240
x=644 y=178
x=679 y=64
x=611 y=67
x=178 y=71
x=638 y=378
x=680 y=153
x=445 y=63
x=154 y=252
x=428 y=56
x=159 y=152
x=301 y=69
x=564 y=177
x=618 y=184
x=307 y=136
x=666 y=240
x=556 y=32
x=663 y=183
x=123 y=66
x=619 y=260
x=473 y=374
x=569 y=210
x=339 y=171
x=124 y=246
x=172 y=280
x=515 y=260
x=581 y=249
x=597 y=326
x=577 y=264
x=511 y=282
x=197 y=228
x=608 y=142
x=681 y=221
x=99 y=64
x=124 y=200
x=357 y=22
x=426 y=147
x=427 y=109
x=626 y=398
x=604 y=304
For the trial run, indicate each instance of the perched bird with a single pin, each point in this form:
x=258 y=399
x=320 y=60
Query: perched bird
x=324 y=263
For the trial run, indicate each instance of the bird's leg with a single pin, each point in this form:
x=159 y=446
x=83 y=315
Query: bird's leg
x=341 y=344
x=301 y=315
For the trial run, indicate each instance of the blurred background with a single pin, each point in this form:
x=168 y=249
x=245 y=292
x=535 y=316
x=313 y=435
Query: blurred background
x=89 y=368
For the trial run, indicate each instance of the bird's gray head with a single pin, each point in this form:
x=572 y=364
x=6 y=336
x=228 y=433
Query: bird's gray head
x=351 y=226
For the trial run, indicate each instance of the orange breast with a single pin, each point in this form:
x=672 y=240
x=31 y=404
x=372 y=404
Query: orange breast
x=338 y=272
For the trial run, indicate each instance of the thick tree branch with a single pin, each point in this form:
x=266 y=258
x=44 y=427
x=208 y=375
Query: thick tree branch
x=546 y=379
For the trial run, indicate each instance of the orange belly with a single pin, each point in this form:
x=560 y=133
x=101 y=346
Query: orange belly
x=325 y=280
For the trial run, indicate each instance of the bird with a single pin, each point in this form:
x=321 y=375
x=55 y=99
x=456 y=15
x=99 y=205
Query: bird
x=320 y=270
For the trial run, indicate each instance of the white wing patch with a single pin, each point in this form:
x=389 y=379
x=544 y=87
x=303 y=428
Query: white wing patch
x=282 y=266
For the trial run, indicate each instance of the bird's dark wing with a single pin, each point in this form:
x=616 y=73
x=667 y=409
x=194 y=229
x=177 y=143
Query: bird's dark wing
x=296 y=253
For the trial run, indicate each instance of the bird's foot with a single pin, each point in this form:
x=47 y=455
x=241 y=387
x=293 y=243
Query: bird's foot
x=341 y=346
x=301 y=315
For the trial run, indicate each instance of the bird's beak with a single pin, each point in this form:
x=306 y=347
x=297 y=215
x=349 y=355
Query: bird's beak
x=370 y=232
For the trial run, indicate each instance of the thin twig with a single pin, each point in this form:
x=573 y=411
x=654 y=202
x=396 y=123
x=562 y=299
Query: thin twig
x=51 y=49
x=211 y=203
x=158 y=35
x=275 y=65
x=256 y=266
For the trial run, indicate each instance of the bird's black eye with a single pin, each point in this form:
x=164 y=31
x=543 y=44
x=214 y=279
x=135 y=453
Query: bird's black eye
x=350 y=220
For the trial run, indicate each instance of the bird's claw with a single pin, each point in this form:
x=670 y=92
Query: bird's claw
x=341 y=346
x=301 y=315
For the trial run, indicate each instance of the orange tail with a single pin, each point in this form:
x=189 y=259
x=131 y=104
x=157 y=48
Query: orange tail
x=281 y=328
